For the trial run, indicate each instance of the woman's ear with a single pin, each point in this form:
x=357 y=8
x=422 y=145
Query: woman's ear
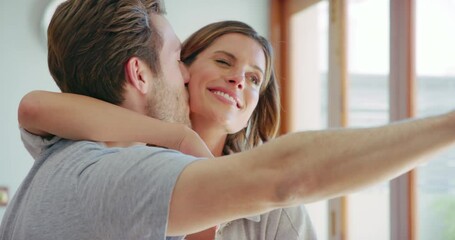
x=136 y=72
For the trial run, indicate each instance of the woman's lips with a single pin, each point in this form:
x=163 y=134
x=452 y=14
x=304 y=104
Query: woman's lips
x=226 y=96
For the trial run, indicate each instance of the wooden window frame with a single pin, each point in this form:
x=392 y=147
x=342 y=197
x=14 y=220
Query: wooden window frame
x=402 y=96
x=402 y=105
x=281 y=12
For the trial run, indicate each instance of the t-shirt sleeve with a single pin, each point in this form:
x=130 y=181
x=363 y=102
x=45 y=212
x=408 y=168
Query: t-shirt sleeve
x=127 y=193
x=36 y=145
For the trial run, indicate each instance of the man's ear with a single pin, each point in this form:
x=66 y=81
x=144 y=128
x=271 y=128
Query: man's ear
x=137 y=74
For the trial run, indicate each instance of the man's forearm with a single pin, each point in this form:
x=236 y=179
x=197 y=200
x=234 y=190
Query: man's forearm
x=322 y=164
x=300 y=168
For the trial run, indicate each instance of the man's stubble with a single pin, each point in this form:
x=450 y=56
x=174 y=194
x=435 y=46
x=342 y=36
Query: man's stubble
x=167 y=103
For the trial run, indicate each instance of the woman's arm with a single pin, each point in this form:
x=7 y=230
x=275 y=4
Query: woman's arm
x=77 y=117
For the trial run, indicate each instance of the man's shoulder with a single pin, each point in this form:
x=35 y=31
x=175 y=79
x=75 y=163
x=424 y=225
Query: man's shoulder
x=139 y=158
x=146 y=153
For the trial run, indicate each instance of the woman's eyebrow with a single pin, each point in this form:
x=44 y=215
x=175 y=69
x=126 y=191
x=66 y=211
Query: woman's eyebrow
x=230 y=55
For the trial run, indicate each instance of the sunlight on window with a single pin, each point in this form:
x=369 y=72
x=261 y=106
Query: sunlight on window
x=309 y=43
x=435 y=51
x=368 y=61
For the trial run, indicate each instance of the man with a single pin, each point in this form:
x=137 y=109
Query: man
x=82 y=190
x=126 y=53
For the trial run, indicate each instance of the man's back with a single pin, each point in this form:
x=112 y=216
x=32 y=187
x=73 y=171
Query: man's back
x=82 y=190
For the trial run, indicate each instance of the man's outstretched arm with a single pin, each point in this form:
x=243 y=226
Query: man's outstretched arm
x=300 y=168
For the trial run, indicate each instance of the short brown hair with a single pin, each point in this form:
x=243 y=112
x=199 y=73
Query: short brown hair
x=264 y=122
x=90 y=41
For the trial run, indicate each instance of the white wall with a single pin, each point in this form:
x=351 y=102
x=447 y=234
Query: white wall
x=23 y=67
x=189 y=15
x=23 y=61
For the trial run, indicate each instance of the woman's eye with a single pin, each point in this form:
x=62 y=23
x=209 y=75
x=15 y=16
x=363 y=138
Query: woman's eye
x=254 y=79
x=223 y=62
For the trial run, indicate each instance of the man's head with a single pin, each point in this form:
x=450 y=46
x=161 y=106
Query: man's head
x=100 y=48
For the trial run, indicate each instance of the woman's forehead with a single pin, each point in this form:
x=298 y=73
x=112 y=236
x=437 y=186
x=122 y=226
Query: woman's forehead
x=240 y=46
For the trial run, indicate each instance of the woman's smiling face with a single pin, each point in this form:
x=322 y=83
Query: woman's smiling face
x=225 y=82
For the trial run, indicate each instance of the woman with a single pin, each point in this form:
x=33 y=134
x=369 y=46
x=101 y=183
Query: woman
x=234 y=106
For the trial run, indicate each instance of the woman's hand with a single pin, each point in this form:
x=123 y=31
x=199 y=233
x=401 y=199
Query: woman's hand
x=192 y=144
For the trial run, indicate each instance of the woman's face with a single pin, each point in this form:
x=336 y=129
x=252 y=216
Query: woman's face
x=225 y=80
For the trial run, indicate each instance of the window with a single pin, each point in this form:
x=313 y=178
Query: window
x=435 y=51
x=368 y=74
x=309 y=43
x=389 y=43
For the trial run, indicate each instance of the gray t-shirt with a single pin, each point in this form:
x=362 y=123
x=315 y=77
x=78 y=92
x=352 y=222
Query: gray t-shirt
x=83 y=190
x=280 y=224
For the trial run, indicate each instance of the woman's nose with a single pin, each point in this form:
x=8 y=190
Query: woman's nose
x=238 y=80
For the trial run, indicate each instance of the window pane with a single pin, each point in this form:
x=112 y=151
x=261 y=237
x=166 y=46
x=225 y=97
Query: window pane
x=368 y=61
x=309 y=46
x=435 y=51
x=308 y=57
